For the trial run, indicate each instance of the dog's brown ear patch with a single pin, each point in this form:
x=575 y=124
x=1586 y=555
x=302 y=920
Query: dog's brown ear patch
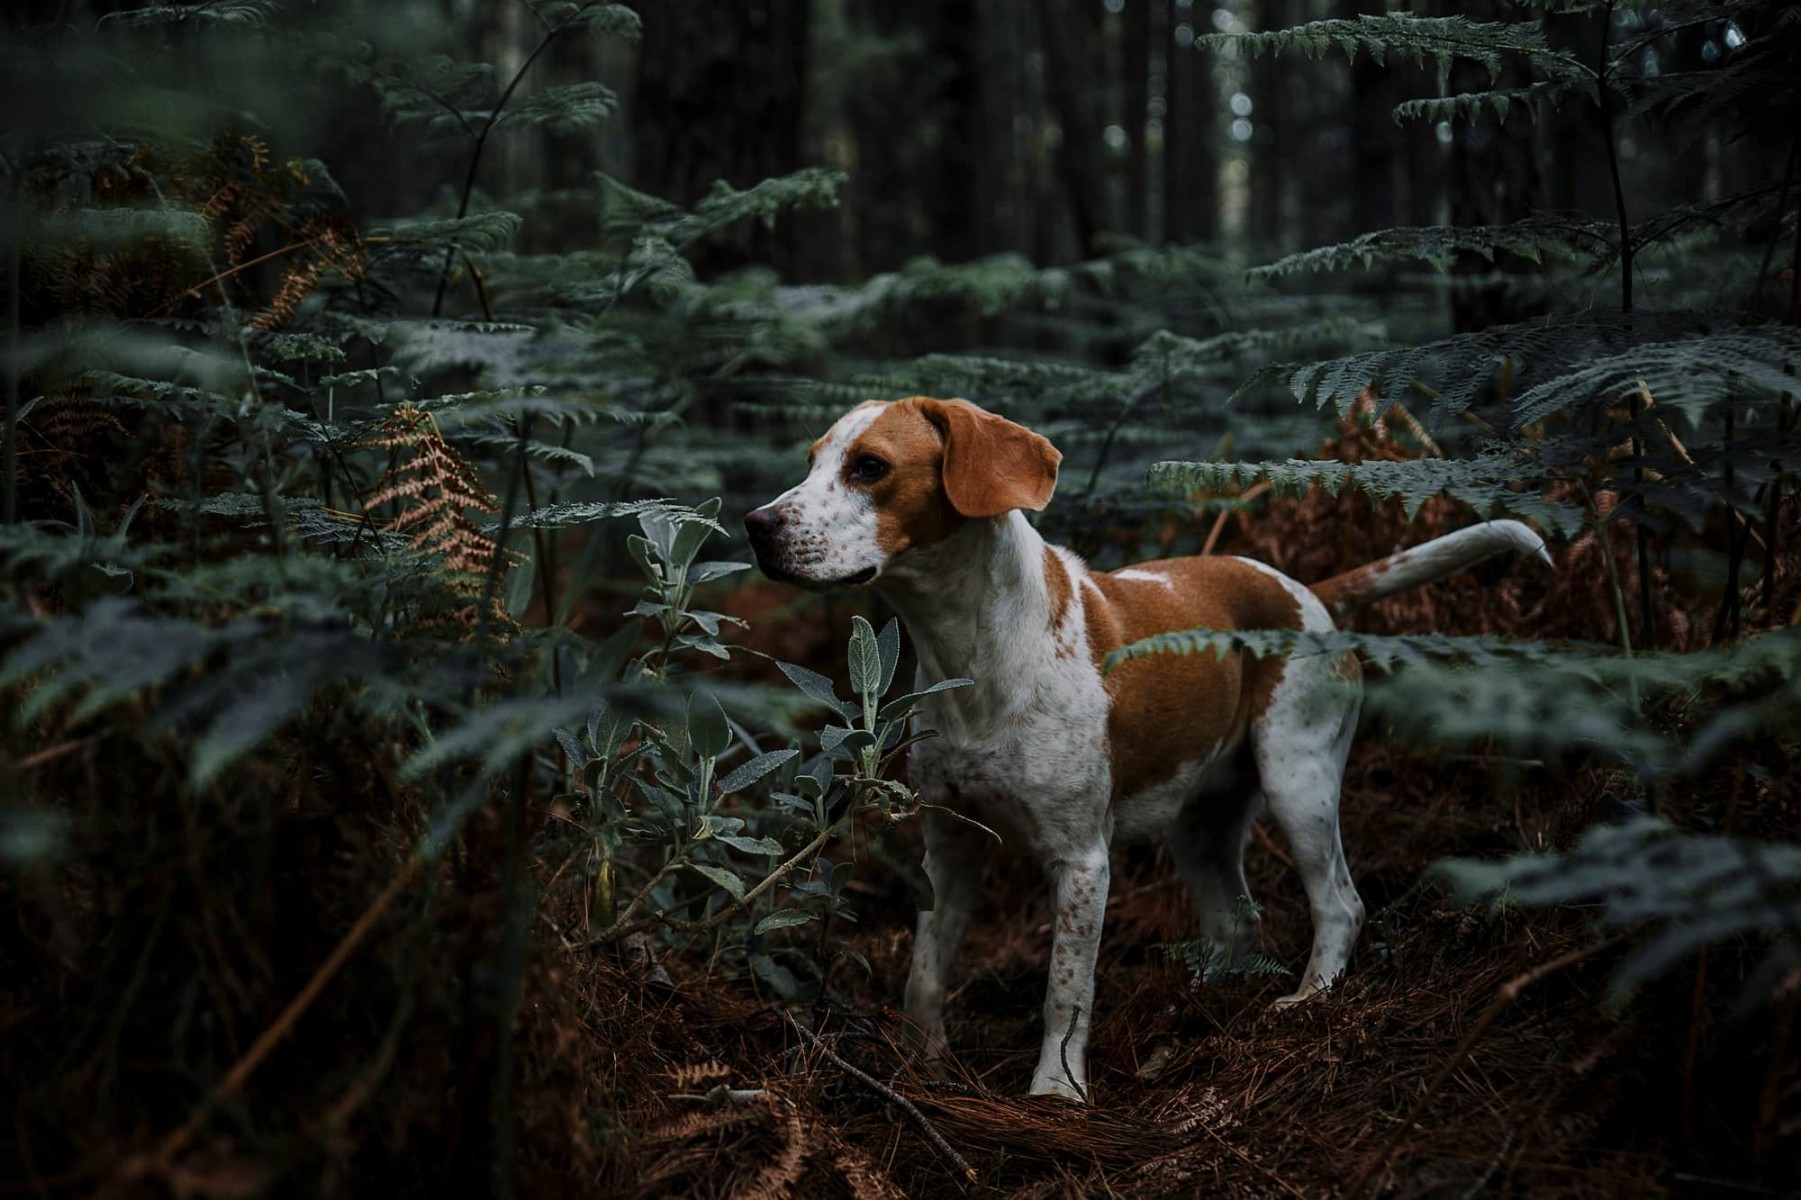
x=991 y=465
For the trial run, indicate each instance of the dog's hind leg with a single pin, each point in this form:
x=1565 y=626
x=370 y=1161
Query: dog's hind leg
x=954 y=862
x=1207 y=842
x=1301 y=742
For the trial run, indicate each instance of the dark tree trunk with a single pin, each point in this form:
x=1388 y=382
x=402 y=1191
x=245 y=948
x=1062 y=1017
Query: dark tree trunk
x=1375 y=139
x=1420 y=193
x=566 y=162
x=923 y=180
x=1494 y=181
x=957 y=166
x=721 y=95
x=1072 y=41
x=1271 y=136
x=1135 y=59
x=1190 y=136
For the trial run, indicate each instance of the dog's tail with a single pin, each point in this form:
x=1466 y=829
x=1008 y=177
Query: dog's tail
x=1345 y=594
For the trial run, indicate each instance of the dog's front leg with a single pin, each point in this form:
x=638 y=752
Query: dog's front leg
x=954 y=863
x=1079 y=882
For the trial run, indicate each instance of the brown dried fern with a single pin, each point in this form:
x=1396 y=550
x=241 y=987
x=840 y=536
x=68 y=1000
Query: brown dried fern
x=861 y=1174
x=698 y=1077
x=434 y=488
x=778 y=1178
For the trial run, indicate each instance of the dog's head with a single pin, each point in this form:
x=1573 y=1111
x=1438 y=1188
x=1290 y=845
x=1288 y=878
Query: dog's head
x=889 y=478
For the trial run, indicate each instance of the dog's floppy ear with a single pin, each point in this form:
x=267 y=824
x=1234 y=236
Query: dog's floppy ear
x=991 y=465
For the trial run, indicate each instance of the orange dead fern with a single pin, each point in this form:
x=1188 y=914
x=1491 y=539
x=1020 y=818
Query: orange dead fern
x=434 y=488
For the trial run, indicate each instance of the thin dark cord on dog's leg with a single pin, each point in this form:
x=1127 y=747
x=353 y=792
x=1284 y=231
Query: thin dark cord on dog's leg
x=1074 y=1017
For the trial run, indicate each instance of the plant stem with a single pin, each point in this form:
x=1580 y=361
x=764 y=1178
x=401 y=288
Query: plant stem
x=1613 y=161
x=507 y=511
x=481 y=141
x=1613 y=570
x=1642 y=533
x=517 y=908
x=1736 y=539
x=16 y=238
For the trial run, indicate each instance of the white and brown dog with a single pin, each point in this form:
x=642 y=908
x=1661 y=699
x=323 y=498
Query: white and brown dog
x=922 y=500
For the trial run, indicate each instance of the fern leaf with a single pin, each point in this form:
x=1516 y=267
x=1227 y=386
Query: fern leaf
x=1439 y=39
x=1690 y=890
x=1488 y=483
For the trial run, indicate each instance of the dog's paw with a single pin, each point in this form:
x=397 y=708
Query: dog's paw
x=1301 y=995
x=1058 y=1087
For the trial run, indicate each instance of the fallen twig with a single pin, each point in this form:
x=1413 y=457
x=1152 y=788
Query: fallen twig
x=280 y=1027
x=889 y=1095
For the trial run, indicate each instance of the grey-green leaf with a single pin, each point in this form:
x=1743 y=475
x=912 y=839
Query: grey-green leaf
x=748 y=773
x=784 y=918
x=750 y=845
x=727 y=880
x=813 y=684
x=899 y=705
x=888 y=643
x=865 y=658
x=708 y=732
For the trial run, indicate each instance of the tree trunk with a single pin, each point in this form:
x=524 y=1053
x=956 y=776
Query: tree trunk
x=957 y=167
x=1375 y=138
x=721 y=95
x=1136 y=67
x=1190 y=139
x=1072 y=41
x=1494 y=181
x=1271 y=135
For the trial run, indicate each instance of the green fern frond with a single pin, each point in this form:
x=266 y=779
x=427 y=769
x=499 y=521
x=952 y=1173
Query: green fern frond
x=213 y=12
x=1693 y=375
x=1386 y=652
x=477 y=233
x=1454 y=371
x=564 y=108
x=1536 y=239
x=1686 y=891
x=1487 y=482
x=1439 y=39
x=1468 y=106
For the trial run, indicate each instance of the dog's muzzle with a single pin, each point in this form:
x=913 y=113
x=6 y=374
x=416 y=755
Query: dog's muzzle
x=764 y=528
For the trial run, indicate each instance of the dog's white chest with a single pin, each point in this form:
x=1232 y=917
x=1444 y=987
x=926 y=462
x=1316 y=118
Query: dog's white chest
x=1036 y=775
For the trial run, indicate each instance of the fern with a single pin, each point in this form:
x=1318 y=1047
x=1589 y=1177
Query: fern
x=216 y=12
x=1489 y=483
x=1468 y=106
x=1453 y=372
x=1682 y=891
x=1694 y=375
x=1418 y=39
x=1440 y=245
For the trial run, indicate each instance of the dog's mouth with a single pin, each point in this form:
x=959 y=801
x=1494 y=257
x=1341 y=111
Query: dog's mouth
x=779 y=575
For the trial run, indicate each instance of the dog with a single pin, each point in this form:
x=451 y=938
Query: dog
x=925 y=501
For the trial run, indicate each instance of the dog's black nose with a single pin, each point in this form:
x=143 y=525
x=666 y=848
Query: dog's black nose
x=763 y=523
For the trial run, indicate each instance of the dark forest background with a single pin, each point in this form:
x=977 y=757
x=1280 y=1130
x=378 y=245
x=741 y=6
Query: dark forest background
x=406 y=786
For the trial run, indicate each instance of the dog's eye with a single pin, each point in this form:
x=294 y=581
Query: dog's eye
x=868 y=469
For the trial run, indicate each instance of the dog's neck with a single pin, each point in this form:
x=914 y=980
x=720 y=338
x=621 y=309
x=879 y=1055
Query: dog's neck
x=975 y=605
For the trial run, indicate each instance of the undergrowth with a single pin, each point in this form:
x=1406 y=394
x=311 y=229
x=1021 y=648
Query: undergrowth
x=395 y=796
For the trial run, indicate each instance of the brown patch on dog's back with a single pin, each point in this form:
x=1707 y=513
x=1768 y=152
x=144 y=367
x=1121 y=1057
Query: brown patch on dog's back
x=1171 y=709
x=910 y=505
